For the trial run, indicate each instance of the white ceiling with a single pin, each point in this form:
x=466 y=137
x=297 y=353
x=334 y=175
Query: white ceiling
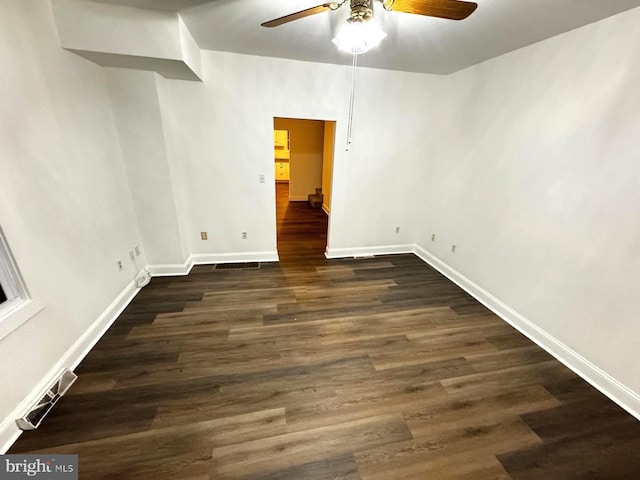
x=414 y=43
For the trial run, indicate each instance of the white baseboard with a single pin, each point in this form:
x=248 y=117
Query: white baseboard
x=167 y=270
x=368 y=251
x=616 y=391
x=170 y=270
x=325 y=208
x=9 y=431
x=210 y=258
x=299 y=199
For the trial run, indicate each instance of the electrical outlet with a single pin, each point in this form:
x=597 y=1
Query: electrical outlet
x=262 y=179
x=433 y=237
x=203 y=235
x=119 y=264
x=244 y=235
x=453 y=248
x=137 y=250
x=131 y=255
x=397 y=229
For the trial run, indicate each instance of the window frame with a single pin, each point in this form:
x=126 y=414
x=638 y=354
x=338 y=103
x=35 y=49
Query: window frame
x=19 y=306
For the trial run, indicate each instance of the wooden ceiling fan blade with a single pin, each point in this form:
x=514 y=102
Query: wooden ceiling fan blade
x=449 y=9
x=301 y=14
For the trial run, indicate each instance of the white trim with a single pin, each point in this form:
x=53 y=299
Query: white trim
x=170 y=270
x=17 y=311
x=9 y=431
x=325 y=208
x=10 y=278
x=18 y=307
x=210 y=258
x=298 y=199
x=164 y=270
x=368 y=251
x=616 y=391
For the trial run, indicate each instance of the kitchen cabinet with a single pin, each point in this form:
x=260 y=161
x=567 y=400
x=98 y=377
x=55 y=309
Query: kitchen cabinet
x=281 y=139
x=281 y=154
x=281 y=144
x=282 y=171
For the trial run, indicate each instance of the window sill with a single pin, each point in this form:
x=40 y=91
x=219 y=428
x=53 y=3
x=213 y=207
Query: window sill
x=16 y=312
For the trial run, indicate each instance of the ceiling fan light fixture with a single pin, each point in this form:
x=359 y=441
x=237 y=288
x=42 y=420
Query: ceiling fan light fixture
x=359 y=36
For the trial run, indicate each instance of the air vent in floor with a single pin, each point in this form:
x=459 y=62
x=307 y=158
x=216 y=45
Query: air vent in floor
x=233 y=266
x=46 y=401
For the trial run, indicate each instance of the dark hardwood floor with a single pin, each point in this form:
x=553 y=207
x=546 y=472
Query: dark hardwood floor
x=302 y=230
x=313 y=369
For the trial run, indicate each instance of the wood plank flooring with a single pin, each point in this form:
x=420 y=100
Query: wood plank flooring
x=302 y=230
x=313 y=369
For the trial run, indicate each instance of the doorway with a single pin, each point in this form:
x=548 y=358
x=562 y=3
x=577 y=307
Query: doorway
x=303 y=157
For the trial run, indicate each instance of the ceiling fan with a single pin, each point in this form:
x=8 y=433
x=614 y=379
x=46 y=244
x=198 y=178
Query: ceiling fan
x=362 y=10
x=361 y=32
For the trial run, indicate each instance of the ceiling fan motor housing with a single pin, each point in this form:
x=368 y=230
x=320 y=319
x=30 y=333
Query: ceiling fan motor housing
x=361 y=11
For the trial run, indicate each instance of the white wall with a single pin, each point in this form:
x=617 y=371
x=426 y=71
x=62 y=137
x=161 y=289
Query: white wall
x=190 y=49
x=229 y=143
x=170 y=129
x=65 y=205
x=137 y=111
x=535 y=178
x=101 y=27
x=120 y=36
x=375 y=182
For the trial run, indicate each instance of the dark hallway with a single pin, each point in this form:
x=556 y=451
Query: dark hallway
x=302 y=230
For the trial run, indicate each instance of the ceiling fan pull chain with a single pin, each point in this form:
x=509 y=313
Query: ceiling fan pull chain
x=353 y=95
x=336 y=5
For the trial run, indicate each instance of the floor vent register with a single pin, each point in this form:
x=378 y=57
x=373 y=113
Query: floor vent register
x=47 y=400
